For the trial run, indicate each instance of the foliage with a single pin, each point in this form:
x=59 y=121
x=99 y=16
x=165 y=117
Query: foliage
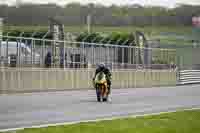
x=114 y=38
x=159 y=61
x=75 y=14
x=85 y=37
x=18 y=33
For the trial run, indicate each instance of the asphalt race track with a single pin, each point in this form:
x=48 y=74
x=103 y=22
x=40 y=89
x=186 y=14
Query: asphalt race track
x=34 y=109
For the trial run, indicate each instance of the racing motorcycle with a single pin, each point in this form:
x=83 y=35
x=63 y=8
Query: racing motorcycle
x=101 y=86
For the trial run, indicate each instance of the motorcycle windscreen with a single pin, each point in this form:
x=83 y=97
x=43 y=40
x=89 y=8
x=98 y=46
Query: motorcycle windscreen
x=100 y=78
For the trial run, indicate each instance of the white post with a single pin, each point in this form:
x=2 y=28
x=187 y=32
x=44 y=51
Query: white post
x=1 y=28
x=1 y=34
x=18 y=3
x=89 y=23
x=64 y=62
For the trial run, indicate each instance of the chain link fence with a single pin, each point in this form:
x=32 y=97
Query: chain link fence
x=32 y=52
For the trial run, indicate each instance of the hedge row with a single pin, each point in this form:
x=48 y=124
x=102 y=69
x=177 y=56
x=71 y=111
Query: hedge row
x=16 y=33
x=112 y=38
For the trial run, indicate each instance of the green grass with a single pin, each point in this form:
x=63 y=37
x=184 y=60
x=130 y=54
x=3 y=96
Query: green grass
x=127 y=29
x=179 y=122
x=189 y=56
x=149 y=31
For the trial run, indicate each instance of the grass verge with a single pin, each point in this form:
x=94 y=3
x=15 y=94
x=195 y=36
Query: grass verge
x=154 y=30
x=166 y=34
x=177 y=122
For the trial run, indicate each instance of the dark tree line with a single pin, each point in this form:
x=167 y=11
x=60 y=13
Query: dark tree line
x=76 y=14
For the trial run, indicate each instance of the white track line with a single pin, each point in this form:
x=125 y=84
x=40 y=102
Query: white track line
x=112 y=118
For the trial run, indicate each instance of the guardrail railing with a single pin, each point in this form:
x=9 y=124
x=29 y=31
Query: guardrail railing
x=189 y=77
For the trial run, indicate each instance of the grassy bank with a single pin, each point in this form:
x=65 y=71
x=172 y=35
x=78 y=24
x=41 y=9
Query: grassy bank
x=167 y=35
x=178 y=122
x=145 y=29
x=172 y=37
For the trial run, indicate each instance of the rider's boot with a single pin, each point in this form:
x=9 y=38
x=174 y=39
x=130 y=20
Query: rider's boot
x=109 y=84
x=108 y=89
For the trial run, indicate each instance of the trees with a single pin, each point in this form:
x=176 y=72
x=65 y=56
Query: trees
x=75 y=14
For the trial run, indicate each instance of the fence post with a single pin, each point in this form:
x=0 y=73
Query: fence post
x=20 y=62
x=17 y=53
x=1 y=38
x=31 y=52
x=64 y=58
x=122 y=57
x=181 y=66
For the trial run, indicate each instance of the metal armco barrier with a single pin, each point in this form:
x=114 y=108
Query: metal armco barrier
x=189 y=77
